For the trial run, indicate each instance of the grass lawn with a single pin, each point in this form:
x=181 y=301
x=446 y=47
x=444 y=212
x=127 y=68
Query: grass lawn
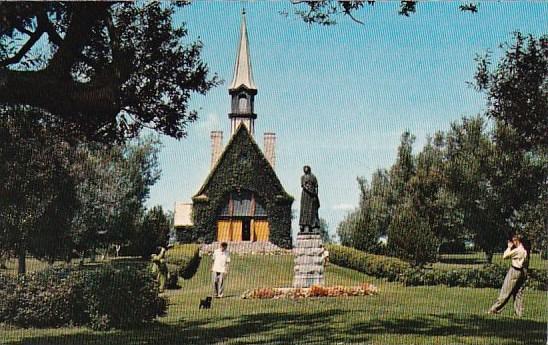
x=397 y=315
x=32 y=266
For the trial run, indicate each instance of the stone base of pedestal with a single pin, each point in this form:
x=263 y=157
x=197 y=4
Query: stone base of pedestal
x=308 y=268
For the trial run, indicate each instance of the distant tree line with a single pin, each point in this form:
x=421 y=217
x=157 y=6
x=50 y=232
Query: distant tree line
x=63 y=197
x=482 y=180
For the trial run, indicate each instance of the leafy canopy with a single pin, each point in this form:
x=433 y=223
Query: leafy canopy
x=109 y=68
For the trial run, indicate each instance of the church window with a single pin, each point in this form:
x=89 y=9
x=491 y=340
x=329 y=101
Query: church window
x=243 y=104
x=242 y=204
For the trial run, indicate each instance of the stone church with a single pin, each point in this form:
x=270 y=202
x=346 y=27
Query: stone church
x=242 y=199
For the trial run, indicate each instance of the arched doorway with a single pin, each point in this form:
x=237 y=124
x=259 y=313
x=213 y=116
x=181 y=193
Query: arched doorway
x=242 y=218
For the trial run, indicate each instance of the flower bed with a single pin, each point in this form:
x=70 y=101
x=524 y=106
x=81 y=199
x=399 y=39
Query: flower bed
x=314 y=291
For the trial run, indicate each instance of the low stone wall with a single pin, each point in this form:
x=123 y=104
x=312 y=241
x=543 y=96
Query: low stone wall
x=259 y=247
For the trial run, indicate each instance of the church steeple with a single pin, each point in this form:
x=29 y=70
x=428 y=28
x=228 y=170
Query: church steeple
x=243 y=89
x=243 y=75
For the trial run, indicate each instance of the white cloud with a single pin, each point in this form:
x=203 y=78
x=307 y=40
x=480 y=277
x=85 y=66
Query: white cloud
x=343 y=207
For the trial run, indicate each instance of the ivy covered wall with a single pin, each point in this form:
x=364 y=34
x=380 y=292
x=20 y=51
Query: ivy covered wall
x=242 y=166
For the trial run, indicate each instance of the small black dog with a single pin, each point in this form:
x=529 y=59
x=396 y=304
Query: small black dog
x=205 y=303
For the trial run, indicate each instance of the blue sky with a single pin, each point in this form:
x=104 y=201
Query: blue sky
x=338 y=98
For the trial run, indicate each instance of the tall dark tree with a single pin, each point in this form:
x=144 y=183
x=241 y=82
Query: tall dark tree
x=410 y=236
x=430 y=195
x=37 y=191
x=517 y=94
x=403 y=169
x=152 y=232
x=112 y=186
x=110 y=68
x=470 y=155
x=517 y=91
x=363 y=227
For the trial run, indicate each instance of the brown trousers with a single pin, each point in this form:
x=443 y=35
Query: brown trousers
x=513 y=286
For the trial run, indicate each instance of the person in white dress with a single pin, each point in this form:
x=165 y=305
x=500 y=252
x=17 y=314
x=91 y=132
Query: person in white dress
x=221 y=259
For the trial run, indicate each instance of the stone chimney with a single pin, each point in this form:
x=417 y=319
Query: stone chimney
x=270 y=148
x=216 y=146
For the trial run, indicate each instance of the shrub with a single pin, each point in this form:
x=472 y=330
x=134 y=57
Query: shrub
x=43 y=299
x=394 y=269
x=7 y=297
x=101 y=297
x=374 y=265
x=491 y=276
x=183 y=260
x=538 y=279
x=172 y=277
x=120 y=297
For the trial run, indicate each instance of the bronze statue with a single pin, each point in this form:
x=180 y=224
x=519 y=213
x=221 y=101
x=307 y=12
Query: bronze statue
x=309 y=221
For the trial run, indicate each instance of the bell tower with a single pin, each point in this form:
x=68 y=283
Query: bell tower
x=242 y=89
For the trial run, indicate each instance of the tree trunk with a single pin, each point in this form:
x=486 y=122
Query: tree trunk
x=82 y=257
x=92 y=255
x=438 y=255
x=22 y=261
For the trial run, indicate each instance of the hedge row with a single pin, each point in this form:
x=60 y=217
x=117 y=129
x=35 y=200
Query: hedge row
x=183 y=261
x=374 y=265
x=394 y=269
x=101 y=297
x=488 y=276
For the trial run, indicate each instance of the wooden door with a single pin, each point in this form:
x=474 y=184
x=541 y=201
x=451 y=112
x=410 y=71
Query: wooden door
x=223 y=230
x=236 y=230
x=261 y=230
x=252 y=228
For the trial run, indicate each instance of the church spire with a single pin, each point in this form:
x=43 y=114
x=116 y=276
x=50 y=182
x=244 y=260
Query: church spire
x=243 y=76
x=243 y=89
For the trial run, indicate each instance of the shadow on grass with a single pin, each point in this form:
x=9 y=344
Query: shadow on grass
x=497 y=329
x=308 y=328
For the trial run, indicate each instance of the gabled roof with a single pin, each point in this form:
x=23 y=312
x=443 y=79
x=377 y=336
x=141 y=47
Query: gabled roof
x=241 y=134
x=243 y=76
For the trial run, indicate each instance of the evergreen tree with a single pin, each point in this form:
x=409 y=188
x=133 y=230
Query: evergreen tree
x=152 y=232
x=362 y=228
x=410 y=236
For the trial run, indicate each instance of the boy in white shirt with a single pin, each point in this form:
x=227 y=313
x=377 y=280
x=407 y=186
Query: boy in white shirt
x=221 y=258
x=514 y=282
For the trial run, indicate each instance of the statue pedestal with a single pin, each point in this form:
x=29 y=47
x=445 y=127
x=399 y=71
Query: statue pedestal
x=308 y=268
